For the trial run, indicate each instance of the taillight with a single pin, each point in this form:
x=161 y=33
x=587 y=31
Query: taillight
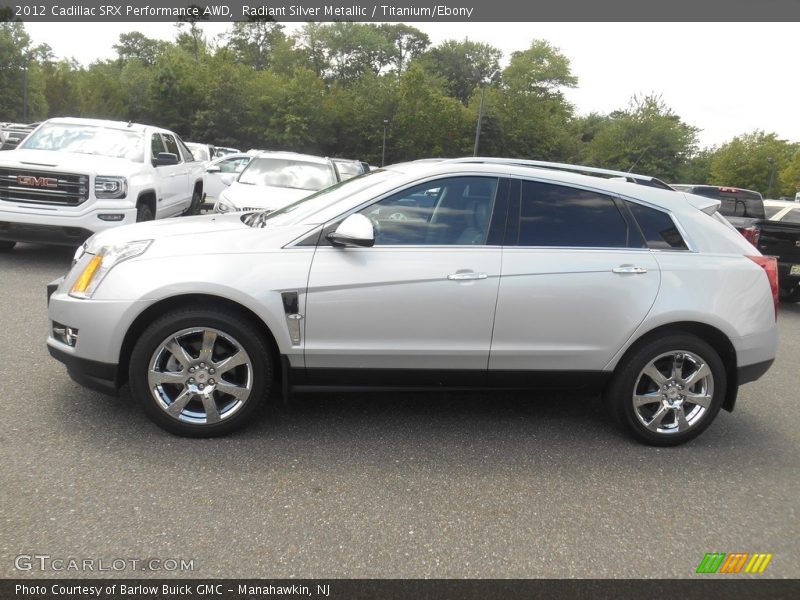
x=770 y=266
x=751 y=234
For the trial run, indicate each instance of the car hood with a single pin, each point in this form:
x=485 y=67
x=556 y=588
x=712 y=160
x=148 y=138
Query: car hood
x=260 y=197
x=88 y=164
x=195 y=236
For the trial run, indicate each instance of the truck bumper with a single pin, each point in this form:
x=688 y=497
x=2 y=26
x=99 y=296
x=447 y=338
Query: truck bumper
x=70 y=229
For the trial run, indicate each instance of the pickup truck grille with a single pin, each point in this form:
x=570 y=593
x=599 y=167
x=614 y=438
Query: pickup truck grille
x=43 y=187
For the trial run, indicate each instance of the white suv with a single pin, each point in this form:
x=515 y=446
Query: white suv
x=463 y=273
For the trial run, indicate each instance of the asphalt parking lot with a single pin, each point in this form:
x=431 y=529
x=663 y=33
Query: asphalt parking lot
x=383 y=485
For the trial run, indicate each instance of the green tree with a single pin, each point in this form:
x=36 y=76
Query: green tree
x=647 y=137
x=178 y=89
x=357 y=114
x=790 y=175
x=20 y=99
x=224 y=116
x=747 y=162
x=136 y=45
x=408 y=42
x=463 y=65
x=532 y=115
x=697 y=168
x=427 y=122
x=61 y=88
x=254 y=42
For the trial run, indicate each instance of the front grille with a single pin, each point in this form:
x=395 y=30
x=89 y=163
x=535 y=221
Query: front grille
x=43 y=187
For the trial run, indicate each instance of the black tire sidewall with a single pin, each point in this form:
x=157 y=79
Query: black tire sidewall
x=620 y=392
x=143 y=213
x=7 y=246
x=229 y=323
x=194 y=206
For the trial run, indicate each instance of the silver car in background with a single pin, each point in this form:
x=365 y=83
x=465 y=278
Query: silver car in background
x=271 y=180
x=461 y=273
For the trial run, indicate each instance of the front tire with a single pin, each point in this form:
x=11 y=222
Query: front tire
x=196 y=204
x=7 y=246
x=143 y=213
x=201 y=372
x=669 y=390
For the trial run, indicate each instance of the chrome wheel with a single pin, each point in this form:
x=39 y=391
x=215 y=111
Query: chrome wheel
x=673 y=392
x=200 y=376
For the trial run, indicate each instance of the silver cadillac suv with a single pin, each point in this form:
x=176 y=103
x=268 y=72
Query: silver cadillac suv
x=462 y=273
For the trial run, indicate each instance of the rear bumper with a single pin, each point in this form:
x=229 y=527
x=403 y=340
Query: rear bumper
x=785 y=280
x=749 y=373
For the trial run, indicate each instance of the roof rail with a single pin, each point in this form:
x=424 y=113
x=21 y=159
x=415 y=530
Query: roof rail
x=633 y=177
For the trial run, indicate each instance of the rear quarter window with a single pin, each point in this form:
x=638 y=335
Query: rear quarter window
x=658 y=228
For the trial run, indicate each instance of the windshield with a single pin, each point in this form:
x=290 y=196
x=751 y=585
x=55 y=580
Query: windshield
x=199 y=152
x=310 y=205
x=348 y=169
x=87 y=139
x=288 y=173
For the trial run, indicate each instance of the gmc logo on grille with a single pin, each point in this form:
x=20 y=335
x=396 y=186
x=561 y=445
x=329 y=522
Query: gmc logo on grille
x=48 y=182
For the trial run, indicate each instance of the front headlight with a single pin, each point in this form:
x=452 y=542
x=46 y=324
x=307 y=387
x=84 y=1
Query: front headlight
x=107 y=258
x=110 y=187
x=223 y=205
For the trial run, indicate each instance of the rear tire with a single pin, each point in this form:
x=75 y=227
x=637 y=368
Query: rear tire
x=201 y=372
x=668 y=391
x=7 y=246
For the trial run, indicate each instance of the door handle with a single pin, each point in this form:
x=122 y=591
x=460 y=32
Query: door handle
x=629 y=269
x=466 y=276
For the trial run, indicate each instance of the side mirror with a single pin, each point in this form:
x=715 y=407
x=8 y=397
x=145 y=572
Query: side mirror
x=165 y=159
x=214 y=169
x=355 y=230
x=227 y=178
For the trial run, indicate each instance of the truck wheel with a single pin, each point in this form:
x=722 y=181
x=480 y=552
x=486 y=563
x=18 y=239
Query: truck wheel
x=7 y=246
x=201 y=372
x=143 y=213
x=194 y=207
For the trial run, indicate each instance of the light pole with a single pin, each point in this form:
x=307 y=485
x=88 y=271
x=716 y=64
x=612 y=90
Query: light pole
x=383 y=151
x=484 y=82
x=771 y=161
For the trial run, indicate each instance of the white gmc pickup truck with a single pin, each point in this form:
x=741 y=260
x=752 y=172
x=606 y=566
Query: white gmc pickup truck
x=72 y=177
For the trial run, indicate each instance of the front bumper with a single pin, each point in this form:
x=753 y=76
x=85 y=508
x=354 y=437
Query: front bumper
x=44 y=234
x=66 y=227
x=102 y=377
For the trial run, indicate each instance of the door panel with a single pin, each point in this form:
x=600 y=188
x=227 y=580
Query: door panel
x=565 y=309
x=395 y=308
x=577 y=280
x=424 y=296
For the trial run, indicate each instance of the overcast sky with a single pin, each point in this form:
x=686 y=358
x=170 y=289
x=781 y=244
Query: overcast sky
x=725 y=78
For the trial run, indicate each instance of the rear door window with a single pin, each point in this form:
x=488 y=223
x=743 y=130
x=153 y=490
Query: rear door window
x=555 y=215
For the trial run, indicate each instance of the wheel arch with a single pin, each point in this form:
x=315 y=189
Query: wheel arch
x=147 y=197
x=152 y=312
x=708 y=333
